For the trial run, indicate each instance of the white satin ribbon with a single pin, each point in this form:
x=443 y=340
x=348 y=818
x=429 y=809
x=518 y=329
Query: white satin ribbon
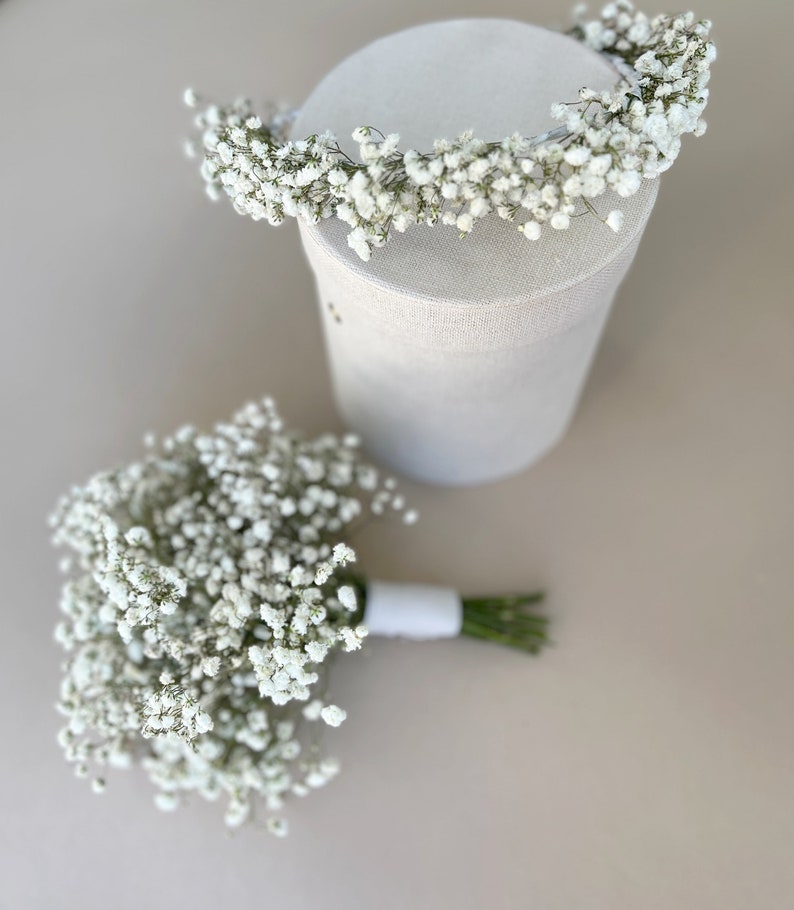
x=412 y=611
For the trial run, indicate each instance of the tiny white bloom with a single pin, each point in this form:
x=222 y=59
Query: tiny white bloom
x=317 y=650
x=333 y=715
x=313 y=709
x=615 y=220
x=203 y=722
x=166 y=801
x=323 y=573
x=530 y=229
x=343 y=554
x=278 y=826
x=465 y=222
x=347 y=597
x=210 y=666
x=577 y=155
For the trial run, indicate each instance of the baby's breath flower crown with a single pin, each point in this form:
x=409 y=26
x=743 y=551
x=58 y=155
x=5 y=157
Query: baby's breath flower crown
x=210 y=583
x=607 y=141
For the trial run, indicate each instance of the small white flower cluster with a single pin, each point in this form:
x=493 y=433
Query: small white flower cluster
x=210 y=585
x=607 y=141
x=172 y=709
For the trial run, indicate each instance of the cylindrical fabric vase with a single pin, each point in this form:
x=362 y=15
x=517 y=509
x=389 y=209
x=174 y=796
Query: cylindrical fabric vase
x=461 y=360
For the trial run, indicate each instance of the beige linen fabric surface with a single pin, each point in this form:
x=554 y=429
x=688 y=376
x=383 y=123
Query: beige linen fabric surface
x=642 y=763
x=462 y=361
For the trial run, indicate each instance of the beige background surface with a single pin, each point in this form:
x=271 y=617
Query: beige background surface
x=645 y=762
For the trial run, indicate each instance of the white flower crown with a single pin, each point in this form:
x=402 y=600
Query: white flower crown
x=607 y=140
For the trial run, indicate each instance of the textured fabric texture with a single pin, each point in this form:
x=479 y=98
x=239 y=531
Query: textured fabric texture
x=461 y=361
x=420 y=612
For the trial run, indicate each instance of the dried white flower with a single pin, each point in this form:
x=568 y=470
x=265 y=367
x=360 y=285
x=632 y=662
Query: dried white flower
x=313 y=709
x=333 y=715
x=530 y=229
x=210 y=666
x=278 y=826
x=347 y=597
x=343 y=555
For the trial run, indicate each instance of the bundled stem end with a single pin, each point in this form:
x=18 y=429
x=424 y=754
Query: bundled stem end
x=510 y=620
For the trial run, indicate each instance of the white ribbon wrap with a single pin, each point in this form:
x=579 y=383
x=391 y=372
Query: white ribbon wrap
x=413 y=611
x=460 y=361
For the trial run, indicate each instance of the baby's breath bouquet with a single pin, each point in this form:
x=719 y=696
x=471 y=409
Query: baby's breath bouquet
x=210 y=583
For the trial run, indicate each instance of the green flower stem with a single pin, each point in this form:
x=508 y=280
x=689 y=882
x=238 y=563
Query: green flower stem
x=507 y=620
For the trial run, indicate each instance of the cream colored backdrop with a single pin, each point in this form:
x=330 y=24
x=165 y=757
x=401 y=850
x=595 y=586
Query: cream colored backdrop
x=644 y=763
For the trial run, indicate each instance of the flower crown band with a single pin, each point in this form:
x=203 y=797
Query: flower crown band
x=606 y=141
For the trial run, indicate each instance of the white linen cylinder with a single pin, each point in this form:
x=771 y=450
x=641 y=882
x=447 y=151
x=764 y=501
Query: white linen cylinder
x=461 y=361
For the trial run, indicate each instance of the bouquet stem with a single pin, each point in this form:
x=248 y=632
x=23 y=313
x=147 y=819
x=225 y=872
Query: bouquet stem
x=508 y=620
